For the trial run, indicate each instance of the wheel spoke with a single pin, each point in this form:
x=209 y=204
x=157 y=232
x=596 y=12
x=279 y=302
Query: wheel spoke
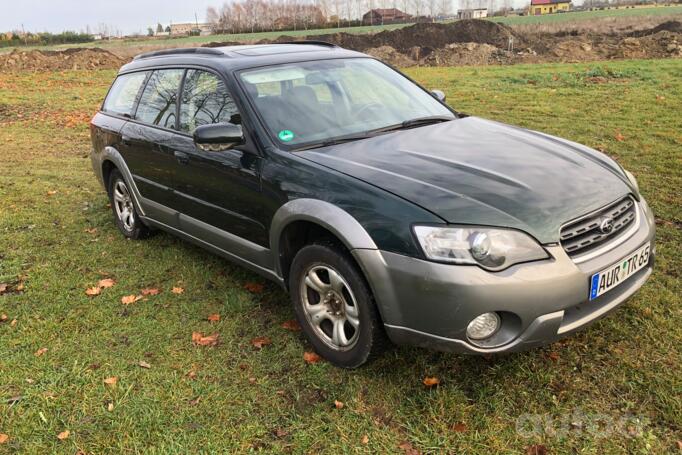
x=317 y=313
x=353 y=320
x=313 y=281
x=336 y=281
x=339 y=333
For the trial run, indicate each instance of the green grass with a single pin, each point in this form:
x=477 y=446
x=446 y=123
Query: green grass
x=587 y=15
x=243 y=399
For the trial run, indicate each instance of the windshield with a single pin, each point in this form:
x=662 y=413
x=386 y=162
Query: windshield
x=317 y=102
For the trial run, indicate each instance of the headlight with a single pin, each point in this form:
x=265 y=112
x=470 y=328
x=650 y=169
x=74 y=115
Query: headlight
x=632 y=179
x=493 y=249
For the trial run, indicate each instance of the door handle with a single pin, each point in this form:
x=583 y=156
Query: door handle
x=182 y=157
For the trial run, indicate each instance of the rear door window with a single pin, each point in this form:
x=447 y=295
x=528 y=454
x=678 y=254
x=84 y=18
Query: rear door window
x=123 y=93
x=159 y=98
x=205 y=100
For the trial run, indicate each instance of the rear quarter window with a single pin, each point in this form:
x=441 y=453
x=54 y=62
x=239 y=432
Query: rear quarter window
x=123 y=92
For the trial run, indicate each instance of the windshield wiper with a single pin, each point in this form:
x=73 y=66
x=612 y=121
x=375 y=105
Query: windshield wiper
x=420 y=121
x=338 y=140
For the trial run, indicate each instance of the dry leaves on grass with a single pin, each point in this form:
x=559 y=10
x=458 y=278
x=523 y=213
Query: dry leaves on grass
x=199 y=339
x=177 y=290
x=93 y=291
x=311 y=357
x=213 y=317
x=40 y=352
x=459 y=427
x=365 y=439
x=52 y=192
x=143 y=364
x=112 y=381
x=3 y=317
x=619 y=136
x=431 y=381
x=129 y=299
x=259 y=342
x=536 y=449
x=338 y=404
x=64 y=435
x=256 y=288
x=3 y=438
x=292 y=325
x=3 y=288
x=106 y=283
x=408 y=448
x=90 y=230
x=150 y=291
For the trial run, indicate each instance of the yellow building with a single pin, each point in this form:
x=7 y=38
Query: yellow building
x=540 y=7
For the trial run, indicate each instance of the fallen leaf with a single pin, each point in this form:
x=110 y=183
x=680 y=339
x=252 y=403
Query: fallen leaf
x=619 y=137
x=192 y=374
x=280 y=432
x=408 y=448
x=106 y=283
x=13 y=323
x=214 y=317
x=195 y=401
x=128 y=299
x=536 y=449
x=201 y=340
x=256 y=288
x=40 y=352
x=112 y=381
x=3 y=317
x=259 y=342
x=20 y=287
x=679 y=445
x=177 y=290
x=292 y=325
x=3 y=288
x=150 y=291
x=3 y=438
x=365 y=439
x=553 y=356
x=311 y=357
x=110 y=407
x=252 y=380
x=63 y=435
x=144 y=364
x=338 y=404
x=52 y=192
x=431 y=381
x=459 y=427
x=91 y=230
x=93 y=291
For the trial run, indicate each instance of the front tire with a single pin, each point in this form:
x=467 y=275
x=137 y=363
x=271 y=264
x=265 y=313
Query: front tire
x=126 y=217
x=335 y=306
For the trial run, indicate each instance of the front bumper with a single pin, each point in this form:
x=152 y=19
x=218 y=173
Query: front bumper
x=429 y=304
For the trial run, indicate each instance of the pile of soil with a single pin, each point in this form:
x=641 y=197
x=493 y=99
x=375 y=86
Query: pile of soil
x=457 y=54
x=669 y=26
x=69 y=59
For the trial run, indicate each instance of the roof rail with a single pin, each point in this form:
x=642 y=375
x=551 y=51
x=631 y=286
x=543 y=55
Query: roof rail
x=182 y=51
x=315 y=42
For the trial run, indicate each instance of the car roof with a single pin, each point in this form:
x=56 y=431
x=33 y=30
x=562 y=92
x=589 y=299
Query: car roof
x=241 y=56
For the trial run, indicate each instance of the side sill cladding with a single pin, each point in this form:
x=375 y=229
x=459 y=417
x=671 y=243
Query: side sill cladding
x=334 y=219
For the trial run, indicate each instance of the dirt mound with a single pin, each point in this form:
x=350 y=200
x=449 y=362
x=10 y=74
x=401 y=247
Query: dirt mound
x=669 y=26
x=427 y=36
x=391 y=56
x=457 y=54
x=69 y=59
x=222 y=44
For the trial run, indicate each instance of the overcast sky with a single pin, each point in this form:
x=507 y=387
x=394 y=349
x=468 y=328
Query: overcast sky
x=129 y=16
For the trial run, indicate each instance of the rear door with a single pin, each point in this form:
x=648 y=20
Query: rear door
x=148 y=138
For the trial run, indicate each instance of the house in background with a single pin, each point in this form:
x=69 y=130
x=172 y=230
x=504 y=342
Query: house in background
x=472 y=13
x=540 y=7
x=381 y=16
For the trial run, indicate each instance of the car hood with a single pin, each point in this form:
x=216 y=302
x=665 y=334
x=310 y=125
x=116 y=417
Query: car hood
x=476 y=171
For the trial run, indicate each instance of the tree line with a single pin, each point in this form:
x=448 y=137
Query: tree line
x=11 y=39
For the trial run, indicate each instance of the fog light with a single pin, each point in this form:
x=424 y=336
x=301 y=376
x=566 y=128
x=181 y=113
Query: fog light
x=483 y=326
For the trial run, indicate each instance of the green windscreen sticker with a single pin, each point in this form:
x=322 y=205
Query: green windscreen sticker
x=285 y=135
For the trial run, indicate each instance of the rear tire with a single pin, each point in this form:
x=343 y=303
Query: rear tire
x=126 y=215
x=335 y=306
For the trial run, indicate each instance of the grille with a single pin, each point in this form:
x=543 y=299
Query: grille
x=585 y=234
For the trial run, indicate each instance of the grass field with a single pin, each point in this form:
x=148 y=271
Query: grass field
x=578 y=16
x=614 y=388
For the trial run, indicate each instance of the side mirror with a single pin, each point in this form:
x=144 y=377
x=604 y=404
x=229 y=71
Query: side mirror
x=218 y=136
x=439 y=95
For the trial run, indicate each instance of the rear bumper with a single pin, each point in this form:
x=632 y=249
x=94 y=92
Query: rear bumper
x=429 y=304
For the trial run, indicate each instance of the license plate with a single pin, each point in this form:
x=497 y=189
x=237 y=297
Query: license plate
x=614 y=275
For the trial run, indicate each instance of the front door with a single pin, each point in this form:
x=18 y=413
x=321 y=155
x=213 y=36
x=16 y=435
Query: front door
x=221 y=189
